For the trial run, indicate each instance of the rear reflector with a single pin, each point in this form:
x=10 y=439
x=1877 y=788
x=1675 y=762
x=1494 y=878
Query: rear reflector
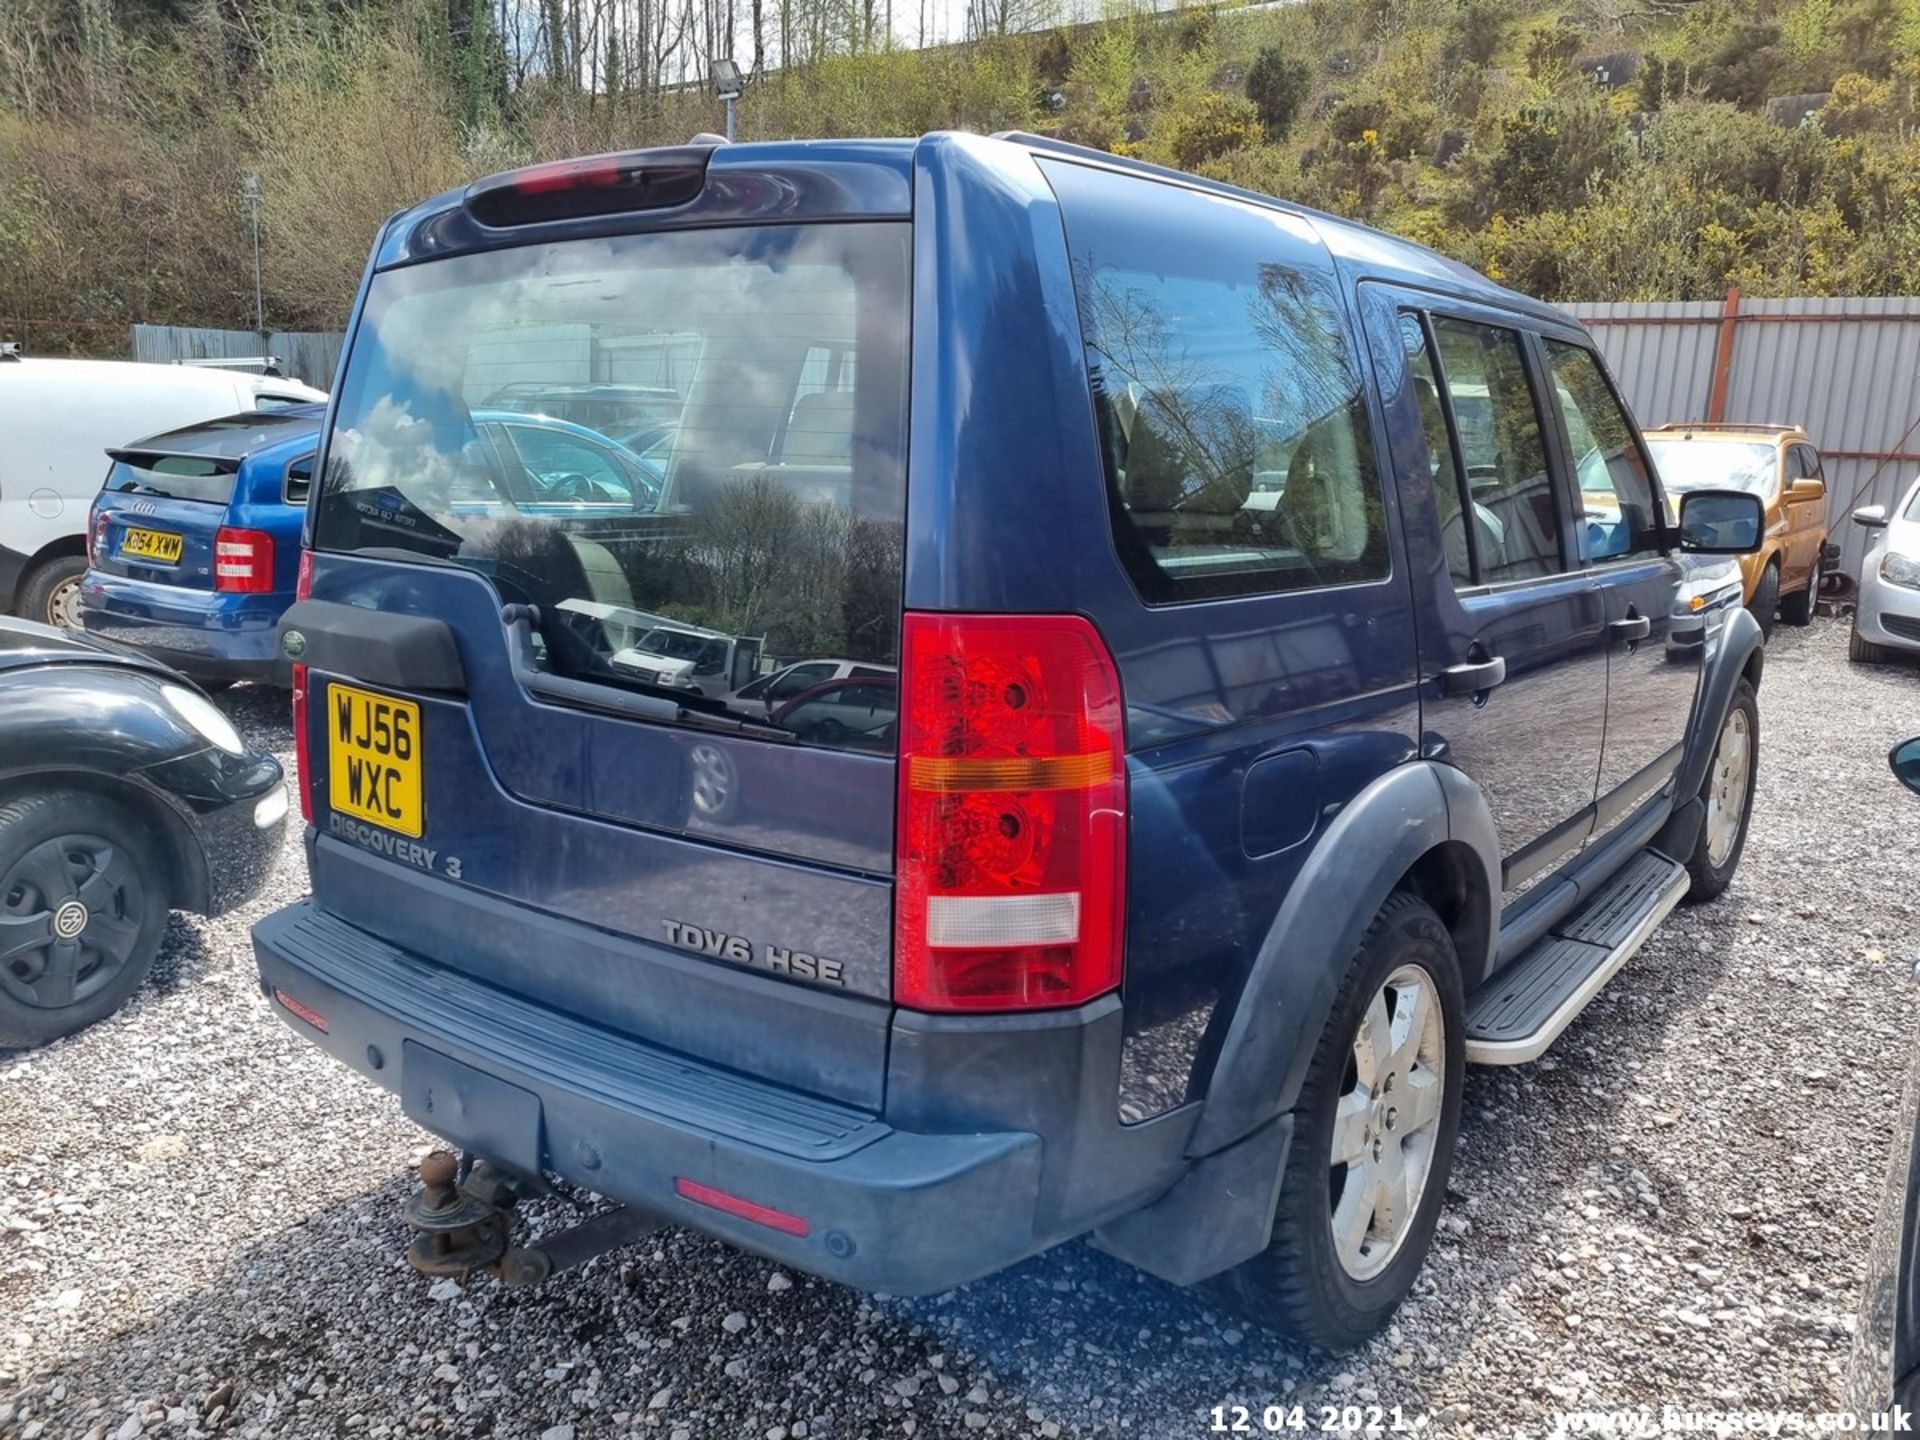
x=1009 y=881
x=302 y=769
x=746 y=1209
x=594 y=185
x=302 y=1012
x=242 y=561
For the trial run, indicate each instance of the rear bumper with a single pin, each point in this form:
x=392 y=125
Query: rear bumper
x=200 y=633
x=931 y=1195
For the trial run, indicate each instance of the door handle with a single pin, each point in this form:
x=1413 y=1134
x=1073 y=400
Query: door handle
x=1476 y=677
x=1631 y=629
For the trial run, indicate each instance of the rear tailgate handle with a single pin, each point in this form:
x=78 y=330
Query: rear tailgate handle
x=406 y=652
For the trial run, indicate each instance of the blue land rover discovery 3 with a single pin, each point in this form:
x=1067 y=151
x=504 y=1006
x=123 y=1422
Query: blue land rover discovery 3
x=1247 y=687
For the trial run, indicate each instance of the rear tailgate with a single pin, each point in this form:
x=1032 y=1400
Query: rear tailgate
x=154 y=537
x=537 y=767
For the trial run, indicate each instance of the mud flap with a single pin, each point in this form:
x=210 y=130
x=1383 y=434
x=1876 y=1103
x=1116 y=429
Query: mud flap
x=1217 y=1215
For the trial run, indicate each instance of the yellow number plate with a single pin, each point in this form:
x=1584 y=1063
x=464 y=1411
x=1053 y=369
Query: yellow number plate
x=151 y=545
x=373 y=758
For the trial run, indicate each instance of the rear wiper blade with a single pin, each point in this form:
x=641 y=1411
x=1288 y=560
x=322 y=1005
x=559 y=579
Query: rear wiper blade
x=634 y=699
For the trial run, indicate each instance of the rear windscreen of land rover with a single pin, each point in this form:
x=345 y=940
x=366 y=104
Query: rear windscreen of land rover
x=730 y=503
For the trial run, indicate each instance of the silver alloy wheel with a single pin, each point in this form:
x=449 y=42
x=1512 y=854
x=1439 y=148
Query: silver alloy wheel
x=1387 y=1122
x=63 y=605
x=1727 y=787
x=712 y=780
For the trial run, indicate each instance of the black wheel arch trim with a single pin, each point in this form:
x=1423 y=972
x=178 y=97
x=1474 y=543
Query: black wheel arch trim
x=184 y=856
x=1380 y=838
x=13 y=565
x=1741 y=655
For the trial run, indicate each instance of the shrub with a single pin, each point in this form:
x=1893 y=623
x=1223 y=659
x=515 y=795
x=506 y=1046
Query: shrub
x=1278 y=85
x=1214 y=126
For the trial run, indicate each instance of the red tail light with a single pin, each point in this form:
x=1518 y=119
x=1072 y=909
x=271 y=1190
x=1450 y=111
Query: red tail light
x=242 y=561
x=99 y=541
x=303 y=771
x=1010 y=874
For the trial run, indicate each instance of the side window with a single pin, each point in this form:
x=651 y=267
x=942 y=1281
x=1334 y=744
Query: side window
x=1807 y=463
x=1615 y=488
x=1449 y=495
x=299 y=482
x=551 y=457
x=801 y=677
x=1233 y=423
x=1515 y=522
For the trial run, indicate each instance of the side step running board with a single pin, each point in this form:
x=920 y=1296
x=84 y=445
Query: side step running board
x=1516 y=1015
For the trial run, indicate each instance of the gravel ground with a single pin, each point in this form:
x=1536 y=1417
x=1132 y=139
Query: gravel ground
x=199 y=1234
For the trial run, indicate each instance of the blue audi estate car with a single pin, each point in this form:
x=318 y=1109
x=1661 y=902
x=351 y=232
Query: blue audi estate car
x=196 y=533
x=195 y=543
x=1279 y=715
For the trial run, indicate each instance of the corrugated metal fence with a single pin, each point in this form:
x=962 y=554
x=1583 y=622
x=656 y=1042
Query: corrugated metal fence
x=1847 y=369
x=308 y=355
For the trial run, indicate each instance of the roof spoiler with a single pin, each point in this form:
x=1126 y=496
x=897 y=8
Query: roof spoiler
x=595 y=185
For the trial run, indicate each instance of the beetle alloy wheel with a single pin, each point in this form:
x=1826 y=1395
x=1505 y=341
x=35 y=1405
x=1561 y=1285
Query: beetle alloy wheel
x=1386 y=1123
x=63 y=605
x=1727 y=788
x=712 y=780
x=70 y=918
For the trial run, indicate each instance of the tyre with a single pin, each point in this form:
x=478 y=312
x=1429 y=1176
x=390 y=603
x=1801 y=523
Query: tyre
x=50 y=592
x=1797 y=608
x=1865 y=652
x=1766 y=600
x=1373 y=1140
x=83 y=907
x=1728 y=793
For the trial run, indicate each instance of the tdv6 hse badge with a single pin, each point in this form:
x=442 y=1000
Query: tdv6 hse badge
x=776 y=958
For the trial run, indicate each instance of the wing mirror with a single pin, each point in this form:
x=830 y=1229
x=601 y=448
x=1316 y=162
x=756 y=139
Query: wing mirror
x=1721 y=522
x=1874 y=517
x=1904 y=759
x=1807 y=487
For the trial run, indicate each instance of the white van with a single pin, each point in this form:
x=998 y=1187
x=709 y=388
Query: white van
x=57 y=420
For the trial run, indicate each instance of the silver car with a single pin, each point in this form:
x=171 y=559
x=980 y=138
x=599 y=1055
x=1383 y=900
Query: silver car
x=1886 y=623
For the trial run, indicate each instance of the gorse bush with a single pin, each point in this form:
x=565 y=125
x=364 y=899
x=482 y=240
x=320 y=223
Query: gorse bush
x=1468 y=125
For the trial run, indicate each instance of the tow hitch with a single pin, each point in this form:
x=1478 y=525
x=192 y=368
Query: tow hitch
x=462 y=1221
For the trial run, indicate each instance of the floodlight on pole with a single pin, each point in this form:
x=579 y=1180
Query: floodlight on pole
x=250 y=192
x=729 y=85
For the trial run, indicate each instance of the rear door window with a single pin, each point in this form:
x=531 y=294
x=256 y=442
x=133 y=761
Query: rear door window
x=1503 y=448
x=767 y=512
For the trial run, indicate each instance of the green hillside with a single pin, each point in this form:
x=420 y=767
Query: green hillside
x=1606 y=149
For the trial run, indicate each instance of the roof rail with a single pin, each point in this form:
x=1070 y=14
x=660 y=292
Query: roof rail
x=268 y=365
x=1726 y=425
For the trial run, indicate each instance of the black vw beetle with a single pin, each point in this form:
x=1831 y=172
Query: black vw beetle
x=124 y=793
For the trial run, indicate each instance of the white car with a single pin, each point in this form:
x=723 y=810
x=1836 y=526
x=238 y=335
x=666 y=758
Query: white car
x=59 y=418
x=1887 y=618
x=771 y=691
